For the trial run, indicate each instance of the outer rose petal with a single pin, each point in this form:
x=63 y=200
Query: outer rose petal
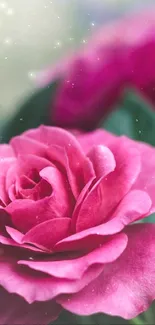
x=37 y=286
x=105 y=253
x=135 y=205
x=14 y=310
x=126 y=287
x=11 y=242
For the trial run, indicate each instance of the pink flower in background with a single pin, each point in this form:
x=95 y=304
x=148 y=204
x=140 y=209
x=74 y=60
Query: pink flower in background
x=68 y=235
x=120 y=55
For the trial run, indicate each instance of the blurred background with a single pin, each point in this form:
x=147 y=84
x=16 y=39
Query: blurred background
x=36 y=33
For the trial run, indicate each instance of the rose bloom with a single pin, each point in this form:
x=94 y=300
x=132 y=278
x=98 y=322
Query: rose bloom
x=120 y=55
x=70 y=234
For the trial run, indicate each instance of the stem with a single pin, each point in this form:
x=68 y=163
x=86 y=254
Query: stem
x=137 y=321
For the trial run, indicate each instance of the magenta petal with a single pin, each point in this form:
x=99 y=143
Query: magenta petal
x=106 y=193
x=23 y=145
x=79 y=202
x=10 y=242
x=14 y=310
x=126 y=287
x=15 y=234
x=47 y=234
x=70 y=153
x=6 y=151
x=135 y=205
x=38 y=286
x=26 y=214
x=103 y=160
x=62 y=199
x=5 y=164
x=94 y=138
x=108 y=252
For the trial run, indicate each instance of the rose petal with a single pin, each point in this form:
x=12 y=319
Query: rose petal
x=26 y=165
x=23 y=145
x=14 y=234
x=79 y=202
x=103 y=160
x=106 y=193
x=108 y=252
x=26 y=214
x=62 y=195
x=94 y=138
x=16 y=311
x=6 y=151
x=47 y=234
x=146 y=151
x=5 y=164
x=37 y=286
x=71 y=154
x=136 y=204
x=35 y=212
x=12 y=243
x=126 y=287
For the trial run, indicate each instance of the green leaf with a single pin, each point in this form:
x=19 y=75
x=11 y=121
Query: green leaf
x=33 y=112
x=67 y=318
x=149 y=219
x=133 y=117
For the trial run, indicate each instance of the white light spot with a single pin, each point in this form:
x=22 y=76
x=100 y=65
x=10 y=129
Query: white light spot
x=92 y=24
x=6 y=57
x=31 y=75
x=3 y=5
x=10 y=12
x=31 y=258
x=8 y=41
x=58 y=44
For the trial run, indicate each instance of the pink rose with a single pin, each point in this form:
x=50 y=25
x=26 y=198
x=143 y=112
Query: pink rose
x=120 y=55
x=68 y=234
